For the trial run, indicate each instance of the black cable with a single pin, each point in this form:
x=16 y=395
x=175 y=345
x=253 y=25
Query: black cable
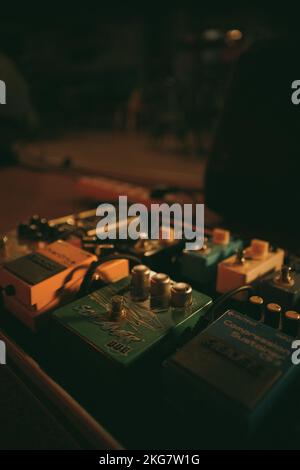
x=228 y=295
x=87 y=280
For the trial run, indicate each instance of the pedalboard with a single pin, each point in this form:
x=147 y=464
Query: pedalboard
x=114 y=347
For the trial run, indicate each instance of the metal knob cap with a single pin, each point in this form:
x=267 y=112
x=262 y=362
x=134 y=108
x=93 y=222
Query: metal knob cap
x=140 y=282
x=160 y=287
x=117 y=307
x=256 y=307
x=181 y=295
x=291 y=323
x=272 y=315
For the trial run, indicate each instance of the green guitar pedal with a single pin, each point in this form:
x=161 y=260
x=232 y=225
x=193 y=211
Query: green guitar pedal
x=120 y=334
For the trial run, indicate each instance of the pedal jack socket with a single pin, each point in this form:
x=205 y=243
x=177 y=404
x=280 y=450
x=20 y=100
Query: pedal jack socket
x=140 y=282
x=181 y=295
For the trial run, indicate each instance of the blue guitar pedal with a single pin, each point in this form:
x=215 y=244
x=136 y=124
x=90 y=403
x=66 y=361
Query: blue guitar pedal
x=231 y=374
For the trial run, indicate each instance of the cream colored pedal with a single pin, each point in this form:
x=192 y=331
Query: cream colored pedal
x=248 y=265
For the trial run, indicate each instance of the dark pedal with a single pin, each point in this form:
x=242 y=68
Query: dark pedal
x=231 y=375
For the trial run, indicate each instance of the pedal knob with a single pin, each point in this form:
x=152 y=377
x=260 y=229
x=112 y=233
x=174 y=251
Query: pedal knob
x=272 y=315
x=285 y=277
x=140 y=282
x=35 y=219
x=259 y=249
x=43 y=225
x=117 y=307
x=181 y=295
x=255 y=307
x=241 y=256
x=221 y=236
x=160 y=286
x=291 y=323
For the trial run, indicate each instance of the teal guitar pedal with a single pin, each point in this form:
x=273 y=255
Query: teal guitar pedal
x=200 y=266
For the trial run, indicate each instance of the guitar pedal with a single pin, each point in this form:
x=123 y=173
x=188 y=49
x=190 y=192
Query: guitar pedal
x=231 y=375
x=248 y=265
x=282 y=287
x=157 y=254
x=114 y=337
x=201 y=265
x=41 y=280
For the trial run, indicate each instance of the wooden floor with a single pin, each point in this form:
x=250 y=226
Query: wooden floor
x=51 y=193
x=132 y=157
x=24 y=193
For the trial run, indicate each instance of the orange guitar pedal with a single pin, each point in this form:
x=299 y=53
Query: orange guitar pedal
x=49 y=277
x=248 y=265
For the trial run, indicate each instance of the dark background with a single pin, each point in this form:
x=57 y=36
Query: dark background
x=151 y=80
x=82 y=64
